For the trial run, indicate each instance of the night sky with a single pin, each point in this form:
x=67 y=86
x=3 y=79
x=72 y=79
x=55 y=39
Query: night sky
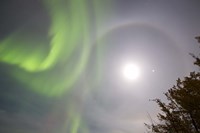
x=62 y=62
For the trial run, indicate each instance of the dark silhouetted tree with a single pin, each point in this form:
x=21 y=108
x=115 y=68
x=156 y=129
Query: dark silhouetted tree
x=181 y=114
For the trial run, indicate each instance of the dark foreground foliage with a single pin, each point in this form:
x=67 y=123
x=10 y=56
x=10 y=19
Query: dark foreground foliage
x=181 y=114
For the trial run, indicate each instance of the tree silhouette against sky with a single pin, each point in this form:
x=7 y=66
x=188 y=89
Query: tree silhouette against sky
x=181 y=114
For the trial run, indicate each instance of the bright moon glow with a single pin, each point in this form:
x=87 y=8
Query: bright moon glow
x=131 y=71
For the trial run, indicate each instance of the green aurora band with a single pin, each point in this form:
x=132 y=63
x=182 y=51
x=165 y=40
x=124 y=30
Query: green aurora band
x=51 y=68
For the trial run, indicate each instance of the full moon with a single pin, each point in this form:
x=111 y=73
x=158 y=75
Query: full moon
x=131 y=71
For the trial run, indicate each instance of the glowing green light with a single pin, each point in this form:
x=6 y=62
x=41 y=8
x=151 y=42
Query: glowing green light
x=52 y=67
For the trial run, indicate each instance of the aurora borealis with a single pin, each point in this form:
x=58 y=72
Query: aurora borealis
x=52 y=66
x=67 y=36
x=60 y=62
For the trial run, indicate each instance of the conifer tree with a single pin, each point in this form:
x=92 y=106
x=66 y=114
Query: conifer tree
x=181 y=114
